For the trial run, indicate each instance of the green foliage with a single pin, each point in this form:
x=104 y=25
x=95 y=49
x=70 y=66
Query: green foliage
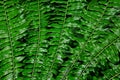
x=59 y=39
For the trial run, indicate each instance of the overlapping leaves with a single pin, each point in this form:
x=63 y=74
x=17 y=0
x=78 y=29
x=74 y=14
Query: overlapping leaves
x=59 y=40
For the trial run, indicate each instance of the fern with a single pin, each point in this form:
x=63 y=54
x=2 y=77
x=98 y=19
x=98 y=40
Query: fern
x=59 y=39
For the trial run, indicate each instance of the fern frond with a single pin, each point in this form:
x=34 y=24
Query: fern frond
x=56 y=32
x=37 y=45
x=12 y=28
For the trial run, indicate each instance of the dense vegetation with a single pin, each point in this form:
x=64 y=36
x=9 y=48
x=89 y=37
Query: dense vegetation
x=59 y=39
